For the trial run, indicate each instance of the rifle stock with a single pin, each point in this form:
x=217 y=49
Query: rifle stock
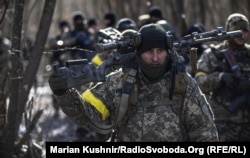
x=79 y=72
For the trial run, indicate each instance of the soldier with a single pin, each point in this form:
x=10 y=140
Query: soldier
x=109 y=19
x=80 y=37
x=93 y=28
x=155 y=14
x=195 y=28
x=198 y=28
x=223 y=72
x=136 y=103
x=59 y=42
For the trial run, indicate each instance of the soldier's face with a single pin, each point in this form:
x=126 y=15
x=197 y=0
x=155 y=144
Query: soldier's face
x=154 y=56
x=243 y=39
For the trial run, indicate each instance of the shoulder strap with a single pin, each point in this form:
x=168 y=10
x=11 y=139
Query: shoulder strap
x=124 y=103
x=128 y=86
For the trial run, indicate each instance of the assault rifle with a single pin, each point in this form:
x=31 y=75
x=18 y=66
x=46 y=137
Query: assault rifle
x=218 y=34
x=184 y=46
x=79 y=72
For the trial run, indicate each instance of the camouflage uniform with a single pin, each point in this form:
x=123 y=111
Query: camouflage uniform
x=151 y=115
x=232 y=125
x=156 y=118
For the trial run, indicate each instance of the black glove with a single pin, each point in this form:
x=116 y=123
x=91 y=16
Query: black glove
x=229 y=79
x=58 y=83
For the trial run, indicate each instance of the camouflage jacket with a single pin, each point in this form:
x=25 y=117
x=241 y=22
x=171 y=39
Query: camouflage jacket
x=187 y=117
x=210 y=65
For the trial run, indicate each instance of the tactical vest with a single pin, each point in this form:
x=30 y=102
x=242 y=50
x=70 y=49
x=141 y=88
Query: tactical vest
x=130 y=97
x=128 y=103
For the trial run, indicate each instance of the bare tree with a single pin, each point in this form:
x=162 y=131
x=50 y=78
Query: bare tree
x=20 y=84
x=208 y=12
x=15 y=81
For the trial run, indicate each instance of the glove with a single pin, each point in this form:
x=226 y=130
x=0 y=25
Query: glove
x=229 y=79
x=58 y=83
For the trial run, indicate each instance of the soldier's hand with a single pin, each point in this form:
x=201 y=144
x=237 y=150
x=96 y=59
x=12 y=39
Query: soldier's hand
x=229 y=79
x=58 y=83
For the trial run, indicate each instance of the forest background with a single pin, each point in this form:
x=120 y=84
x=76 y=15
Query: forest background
x=39 y=19
x=211 y=13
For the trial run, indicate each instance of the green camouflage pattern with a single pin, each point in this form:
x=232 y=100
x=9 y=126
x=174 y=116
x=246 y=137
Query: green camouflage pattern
x=161 y=119
x=188 y=117
x=237 y=21
x=231 y=125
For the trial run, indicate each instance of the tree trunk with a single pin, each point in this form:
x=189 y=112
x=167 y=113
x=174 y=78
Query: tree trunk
x=15 y=82
x=20 y=87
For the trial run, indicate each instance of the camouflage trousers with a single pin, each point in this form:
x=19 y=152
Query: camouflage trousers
x=229 y=131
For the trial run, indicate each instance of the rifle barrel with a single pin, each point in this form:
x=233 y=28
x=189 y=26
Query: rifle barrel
x=196 y=38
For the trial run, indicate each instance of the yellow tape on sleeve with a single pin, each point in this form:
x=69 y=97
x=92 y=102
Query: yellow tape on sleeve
x=89 y=97
x=97 y=60
x=200 y=74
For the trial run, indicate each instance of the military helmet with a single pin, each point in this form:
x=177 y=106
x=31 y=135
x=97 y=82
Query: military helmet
x=78 y=15
x=165 y=24
x=237 y=21
x=155 y=11
x=125 y=23
x=63 y=23
x=111 y=17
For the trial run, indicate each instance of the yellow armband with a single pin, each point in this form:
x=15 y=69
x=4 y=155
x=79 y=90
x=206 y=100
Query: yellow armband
x=90 y=98
x=200 y=74
x=97 y=60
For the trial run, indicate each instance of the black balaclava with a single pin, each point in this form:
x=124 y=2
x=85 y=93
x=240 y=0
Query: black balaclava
x=79 y=21
x=152 y=36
